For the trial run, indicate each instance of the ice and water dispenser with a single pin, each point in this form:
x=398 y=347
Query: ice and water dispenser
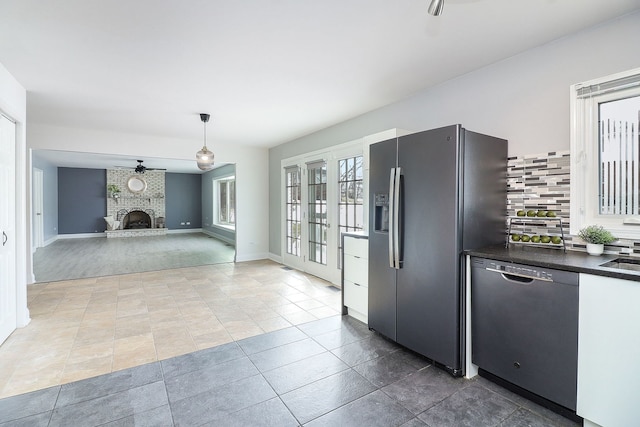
x=381 y=212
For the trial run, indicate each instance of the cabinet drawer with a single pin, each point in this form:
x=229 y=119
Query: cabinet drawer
x=355 y=246
x=356 y=270
x=356 y=297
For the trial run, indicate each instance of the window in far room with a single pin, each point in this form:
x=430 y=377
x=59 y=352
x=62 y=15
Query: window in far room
x=225 y=201
x=605 y=148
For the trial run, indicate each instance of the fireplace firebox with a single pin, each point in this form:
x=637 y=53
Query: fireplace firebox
x=136 y=220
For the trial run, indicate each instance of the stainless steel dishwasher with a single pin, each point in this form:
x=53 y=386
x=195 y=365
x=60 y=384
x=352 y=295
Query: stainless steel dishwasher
x=525 y=327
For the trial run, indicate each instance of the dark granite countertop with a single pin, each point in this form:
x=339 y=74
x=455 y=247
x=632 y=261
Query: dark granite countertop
x=575 y=261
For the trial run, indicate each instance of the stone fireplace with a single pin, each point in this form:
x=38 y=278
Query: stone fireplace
x=139 y=213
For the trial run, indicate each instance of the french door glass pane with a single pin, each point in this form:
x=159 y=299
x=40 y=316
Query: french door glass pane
x=350 y=197
x=317 y=211
x=293 y=237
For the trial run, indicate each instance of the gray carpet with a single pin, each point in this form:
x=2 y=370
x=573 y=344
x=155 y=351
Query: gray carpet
x=67 y=259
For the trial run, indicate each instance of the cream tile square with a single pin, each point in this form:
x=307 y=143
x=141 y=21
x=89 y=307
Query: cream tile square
x=143 y=343
x=323 y=312
x=309 y=304
x=174 y=348
x=212 y=339
x=133 y=329
x=86 y=369
x=288 y=309
x=84 y=353
x=273 y=324
x=299 y=318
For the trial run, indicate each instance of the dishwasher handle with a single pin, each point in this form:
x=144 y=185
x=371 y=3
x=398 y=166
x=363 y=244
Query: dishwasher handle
x=517 y=277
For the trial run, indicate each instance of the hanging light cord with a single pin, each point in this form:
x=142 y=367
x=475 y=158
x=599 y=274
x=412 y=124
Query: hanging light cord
x=205 y=133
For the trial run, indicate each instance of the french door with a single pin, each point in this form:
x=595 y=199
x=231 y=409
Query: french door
x=323 y=196
x=8 y=302
x=308 y=243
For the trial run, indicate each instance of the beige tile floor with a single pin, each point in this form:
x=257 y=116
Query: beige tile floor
x=88 y=327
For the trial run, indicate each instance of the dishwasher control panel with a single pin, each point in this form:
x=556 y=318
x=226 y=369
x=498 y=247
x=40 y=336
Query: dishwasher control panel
x=521 y=270
x=526 y=271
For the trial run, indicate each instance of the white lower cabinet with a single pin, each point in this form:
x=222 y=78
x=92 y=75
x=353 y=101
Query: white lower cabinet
x=355 y=276
x=608 y=351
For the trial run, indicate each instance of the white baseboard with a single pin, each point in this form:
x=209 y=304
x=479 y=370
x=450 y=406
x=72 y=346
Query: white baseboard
x=44 y=244
x=251 y=257
x=81 y=235
x=184 y=230
x=49 y=241
x=219 y=237
x=275 y=258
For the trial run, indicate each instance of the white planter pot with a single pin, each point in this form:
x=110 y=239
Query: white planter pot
x=595 y=249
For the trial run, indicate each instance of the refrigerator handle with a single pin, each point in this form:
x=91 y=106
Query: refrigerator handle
x=392 y=260
x=396 y=219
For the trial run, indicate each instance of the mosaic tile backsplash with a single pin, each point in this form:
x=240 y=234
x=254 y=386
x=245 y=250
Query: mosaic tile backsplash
x=542 y=182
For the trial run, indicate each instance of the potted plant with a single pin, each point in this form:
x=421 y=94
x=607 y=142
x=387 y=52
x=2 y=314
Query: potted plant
x=596 y=237
x=113 y=190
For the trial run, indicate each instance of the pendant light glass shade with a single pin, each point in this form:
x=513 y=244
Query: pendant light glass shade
x=204 y=157
x=435 y=7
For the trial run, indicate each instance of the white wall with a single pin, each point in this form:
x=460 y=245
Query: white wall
x=524 y=99
x=251 y=169
x=13 y=103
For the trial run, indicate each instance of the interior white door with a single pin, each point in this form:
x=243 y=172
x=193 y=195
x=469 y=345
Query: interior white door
x=38 y=208
x=8 y=302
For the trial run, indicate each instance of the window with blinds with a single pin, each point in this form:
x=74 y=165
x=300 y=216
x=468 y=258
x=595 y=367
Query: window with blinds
x=606 y=153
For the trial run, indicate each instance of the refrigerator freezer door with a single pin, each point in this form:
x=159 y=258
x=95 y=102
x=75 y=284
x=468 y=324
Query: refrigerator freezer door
x=428 y=291
x=382 y=277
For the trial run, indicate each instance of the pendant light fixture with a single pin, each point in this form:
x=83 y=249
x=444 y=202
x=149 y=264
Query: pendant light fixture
x=204 y=157
x=435 y=7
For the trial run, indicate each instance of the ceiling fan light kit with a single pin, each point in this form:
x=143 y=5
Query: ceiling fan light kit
x=204 y=157
x=140 y=168
x=435 y=7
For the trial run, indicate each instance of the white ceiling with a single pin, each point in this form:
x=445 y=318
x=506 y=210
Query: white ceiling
x=111 y=161
x=267 y=71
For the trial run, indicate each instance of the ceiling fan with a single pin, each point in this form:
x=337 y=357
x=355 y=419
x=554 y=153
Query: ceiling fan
x=140 y=168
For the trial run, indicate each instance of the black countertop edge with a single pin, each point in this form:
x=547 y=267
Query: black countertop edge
x=579 y=262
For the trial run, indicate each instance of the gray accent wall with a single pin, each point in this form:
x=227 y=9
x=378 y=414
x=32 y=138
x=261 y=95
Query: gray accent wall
x=183 y=195
x=207 y=203
x=524 y=99
x=82 y=200
x=49 y=196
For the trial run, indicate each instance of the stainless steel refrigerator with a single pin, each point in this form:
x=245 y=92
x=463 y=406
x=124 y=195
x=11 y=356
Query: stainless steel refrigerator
x=432 y=195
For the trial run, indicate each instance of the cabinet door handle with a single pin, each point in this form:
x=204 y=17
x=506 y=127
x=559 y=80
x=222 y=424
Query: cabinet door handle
x=4 y=238
x=357 y=284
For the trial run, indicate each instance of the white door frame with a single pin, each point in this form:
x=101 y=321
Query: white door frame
x=331 y=271
x=38 y=209
x=321 y=270
x=302 y=262
x=8 y=229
